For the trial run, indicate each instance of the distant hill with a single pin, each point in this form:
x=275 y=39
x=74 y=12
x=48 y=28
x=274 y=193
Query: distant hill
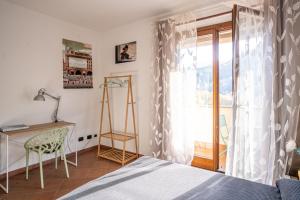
x=204 y=78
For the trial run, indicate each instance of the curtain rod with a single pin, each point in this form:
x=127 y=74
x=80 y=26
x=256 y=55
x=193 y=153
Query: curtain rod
x=208 y=17
x=212 y=16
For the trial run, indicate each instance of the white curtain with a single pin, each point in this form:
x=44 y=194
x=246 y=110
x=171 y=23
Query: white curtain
x=174 y=93
x=251 y=145
x=266 y=92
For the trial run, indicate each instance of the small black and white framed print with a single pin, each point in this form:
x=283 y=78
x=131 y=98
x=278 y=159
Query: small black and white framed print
x=126 y=52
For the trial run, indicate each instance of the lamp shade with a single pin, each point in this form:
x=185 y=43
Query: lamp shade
x=39 y=97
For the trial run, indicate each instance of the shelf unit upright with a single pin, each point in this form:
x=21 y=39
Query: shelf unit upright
x=114 y=154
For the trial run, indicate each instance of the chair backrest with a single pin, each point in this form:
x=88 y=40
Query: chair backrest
x=48 y=141
x=223 y=129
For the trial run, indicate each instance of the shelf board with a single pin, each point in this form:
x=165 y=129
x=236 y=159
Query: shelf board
x=118 y=136
x=117 y=155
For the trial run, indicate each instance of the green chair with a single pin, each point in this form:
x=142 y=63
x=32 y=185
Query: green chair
x=223 y=132
x=47 y=142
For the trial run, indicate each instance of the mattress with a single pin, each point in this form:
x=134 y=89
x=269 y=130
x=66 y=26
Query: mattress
x=150 y=178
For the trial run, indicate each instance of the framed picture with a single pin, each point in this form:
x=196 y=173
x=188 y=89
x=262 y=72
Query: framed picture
x=126 y=52
x=77 y=64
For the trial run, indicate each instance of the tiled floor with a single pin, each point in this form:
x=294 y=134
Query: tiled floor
x=56 y=183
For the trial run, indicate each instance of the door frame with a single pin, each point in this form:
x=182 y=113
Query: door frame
x=214 y=30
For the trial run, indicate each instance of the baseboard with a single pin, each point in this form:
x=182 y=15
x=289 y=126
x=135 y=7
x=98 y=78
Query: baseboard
x=46 y=162
x=51 y=161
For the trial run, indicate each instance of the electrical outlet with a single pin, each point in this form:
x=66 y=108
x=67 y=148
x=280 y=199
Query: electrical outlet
x=80 y=139
x=89 y=137
x=95 y=135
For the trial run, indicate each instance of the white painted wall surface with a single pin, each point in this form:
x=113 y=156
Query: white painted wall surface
x=142 y=33
x=31 y=58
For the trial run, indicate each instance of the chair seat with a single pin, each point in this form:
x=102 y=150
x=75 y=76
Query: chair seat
x=47 y=142
x=46 y=146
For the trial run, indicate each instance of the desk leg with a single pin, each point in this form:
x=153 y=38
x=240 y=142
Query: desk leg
x=68 y=161
x=2 y=186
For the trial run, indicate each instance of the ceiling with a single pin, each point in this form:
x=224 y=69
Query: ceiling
x=101 y=15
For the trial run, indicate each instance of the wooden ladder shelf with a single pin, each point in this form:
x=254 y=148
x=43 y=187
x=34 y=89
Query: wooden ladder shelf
x=117 y=155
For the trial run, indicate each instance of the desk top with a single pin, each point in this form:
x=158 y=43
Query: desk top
x=39 y=127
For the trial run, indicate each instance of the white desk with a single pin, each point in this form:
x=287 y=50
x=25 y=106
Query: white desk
x=30 y=130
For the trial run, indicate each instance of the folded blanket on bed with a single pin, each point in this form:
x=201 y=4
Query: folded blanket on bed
x=150 y=178
x=289 y=189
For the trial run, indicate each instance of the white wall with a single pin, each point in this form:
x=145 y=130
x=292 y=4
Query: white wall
x=142 y=33
x=31 y=58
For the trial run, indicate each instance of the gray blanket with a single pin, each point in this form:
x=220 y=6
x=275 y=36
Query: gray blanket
x=229 y=188
x=150 y=178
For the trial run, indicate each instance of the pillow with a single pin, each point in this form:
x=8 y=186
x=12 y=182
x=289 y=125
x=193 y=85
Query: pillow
x=289 y=189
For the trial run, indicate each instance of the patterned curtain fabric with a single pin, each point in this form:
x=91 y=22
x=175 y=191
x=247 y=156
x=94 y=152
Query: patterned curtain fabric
x=174 y=89
x=283 y=51
x=266 y=91
x=249 y=150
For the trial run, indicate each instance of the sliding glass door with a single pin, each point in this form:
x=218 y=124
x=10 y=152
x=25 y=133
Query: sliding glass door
x=214 y=95
x=204 y=136
x=225 y=94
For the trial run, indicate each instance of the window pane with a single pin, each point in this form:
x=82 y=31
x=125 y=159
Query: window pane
x=204 y=136
x=225 y=94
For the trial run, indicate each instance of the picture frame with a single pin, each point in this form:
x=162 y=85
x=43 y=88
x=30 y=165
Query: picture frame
x=125 y=52
x=77 y=65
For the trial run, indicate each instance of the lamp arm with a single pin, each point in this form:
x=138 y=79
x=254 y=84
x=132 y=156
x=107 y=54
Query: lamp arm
x=56 y=109
x=53 y=97
x=57 y=105
x=43 y=92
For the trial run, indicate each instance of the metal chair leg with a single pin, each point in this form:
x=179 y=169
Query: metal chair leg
x=41 y=170
x=56 y=159
x=65 y=161
x=27 y=163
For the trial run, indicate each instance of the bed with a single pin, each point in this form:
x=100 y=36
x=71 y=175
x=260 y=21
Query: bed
x=150 y=178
